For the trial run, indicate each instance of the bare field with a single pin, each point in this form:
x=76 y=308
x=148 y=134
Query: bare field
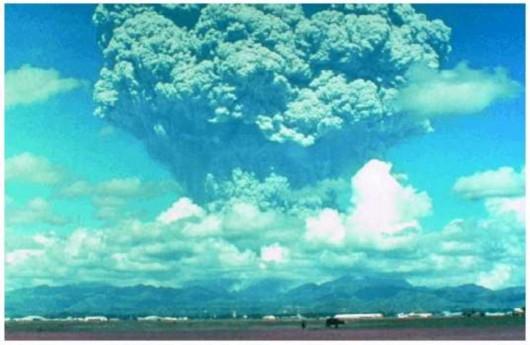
x=506 y=328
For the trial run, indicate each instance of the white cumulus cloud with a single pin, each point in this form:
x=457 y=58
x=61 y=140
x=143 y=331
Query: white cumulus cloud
x=19 y=256
x=208 y=226
x=242 y=216
x=180 y=209
x=37 y=210
x=76 y=189
x=507 y=208
x=44 y=240
x=29 y=167
x=111 y=197
x=83 y=242
x=384 y=210
x=384 y=213
x=30 y=84
x=273 y=253
x=502 y=182
x=495 y=278
x=458 y=91
x=326 y=227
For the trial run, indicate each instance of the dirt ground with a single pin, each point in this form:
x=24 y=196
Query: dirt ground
x=483 y=333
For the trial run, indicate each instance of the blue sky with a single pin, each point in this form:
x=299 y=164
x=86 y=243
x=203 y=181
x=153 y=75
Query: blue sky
x=492 y=138
x=66 y=121
x=118 y=183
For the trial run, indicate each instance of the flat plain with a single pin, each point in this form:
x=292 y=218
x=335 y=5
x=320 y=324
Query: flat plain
x=462 y=328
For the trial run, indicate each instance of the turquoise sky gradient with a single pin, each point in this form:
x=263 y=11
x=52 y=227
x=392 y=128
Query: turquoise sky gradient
x=63 y=130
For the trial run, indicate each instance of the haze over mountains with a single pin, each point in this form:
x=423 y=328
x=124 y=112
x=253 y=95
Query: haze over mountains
x=271 y=296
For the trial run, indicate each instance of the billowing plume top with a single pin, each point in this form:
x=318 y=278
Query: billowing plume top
x=306 y=91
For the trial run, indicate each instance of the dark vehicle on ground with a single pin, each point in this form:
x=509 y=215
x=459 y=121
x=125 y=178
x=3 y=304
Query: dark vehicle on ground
x=333 y=321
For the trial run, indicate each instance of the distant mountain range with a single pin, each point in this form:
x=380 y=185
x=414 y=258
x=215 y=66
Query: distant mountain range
x=271 y=296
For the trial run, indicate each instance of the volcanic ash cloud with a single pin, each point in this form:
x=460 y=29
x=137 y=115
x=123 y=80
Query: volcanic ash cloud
x=305 y=92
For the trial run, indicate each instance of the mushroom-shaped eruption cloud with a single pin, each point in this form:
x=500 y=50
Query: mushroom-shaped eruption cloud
x=304 y=91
